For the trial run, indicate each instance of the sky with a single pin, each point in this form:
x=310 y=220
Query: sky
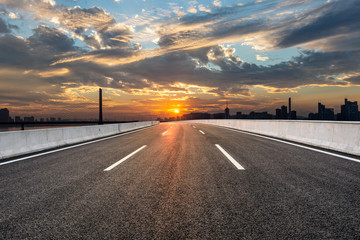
x=154 y=57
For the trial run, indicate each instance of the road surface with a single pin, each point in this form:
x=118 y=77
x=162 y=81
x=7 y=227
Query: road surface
x=181 y=181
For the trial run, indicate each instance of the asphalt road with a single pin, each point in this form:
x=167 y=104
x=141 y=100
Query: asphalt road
x=179 y=185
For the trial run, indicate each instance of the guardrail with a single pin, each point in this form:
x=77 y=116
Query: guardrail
x=339 y=136
x=16 y=143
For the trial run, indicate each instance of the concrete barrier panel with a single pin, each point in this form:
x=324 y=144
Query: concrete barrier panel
x=339 y=136
x=16 y=143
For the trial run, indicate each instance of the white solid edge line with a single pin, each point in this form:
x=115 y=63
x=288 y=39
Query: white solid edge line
x=297 y=145
x=164 y=132
x=124 y=159
x=232 y=160
x=201 y=132
x=66 y=148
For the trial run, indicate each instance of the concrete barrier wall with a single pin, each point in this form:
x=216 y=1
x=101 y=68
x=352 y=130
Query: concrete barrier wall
x=339 y=136
x=16 y=143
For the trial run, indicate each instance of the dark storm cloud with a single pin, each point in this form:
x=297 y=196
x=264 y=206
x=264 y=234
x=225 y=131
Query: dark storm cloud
x=38 y=51
x=275 y=24
x=340 y=17
x=45 y=37
x=14 y=52
x=116 y=36
x=4 y=28
x=17 y=97
x=234 y=75
x=354 y=79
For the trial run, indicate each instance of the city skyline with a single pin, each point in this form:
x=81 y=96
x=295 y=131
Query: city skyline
x=349 y=112
x=167 y=58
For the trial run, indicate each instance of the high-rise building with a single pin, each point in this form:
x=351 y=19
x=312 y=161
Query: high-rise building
x=321 y=110
x=350 y=111
x=284 y=114
x=4 y=115
x=323 y=113
x=281 y=113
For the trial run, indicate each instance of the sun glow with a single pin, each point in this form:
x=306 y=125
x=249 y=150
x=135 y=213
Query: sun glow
x=176 y=111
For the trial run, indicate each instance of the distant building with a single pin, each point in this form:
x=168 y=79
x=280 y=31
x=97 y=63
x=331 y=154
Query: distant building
x=281 y=113
x=219 y=116
x=259 y=115
x=349 y=111
x=293 y=115
x=199 y=115
x=284 y=114
x=325 y=113
x=4 y=115
x=313 y=116
x=29 y=119
x=239 y=115
x=278 y=113
x=196 y=115
x=18 y=119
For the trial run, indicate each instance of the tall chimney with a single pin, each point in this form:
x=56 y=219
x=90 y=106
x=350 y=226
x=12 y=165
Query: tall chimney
x=100 y=107
x=289 y=107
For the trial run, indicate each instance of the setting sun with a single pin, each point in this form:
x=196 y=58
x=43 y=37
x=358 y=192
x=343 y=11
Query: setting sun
x=176 y=110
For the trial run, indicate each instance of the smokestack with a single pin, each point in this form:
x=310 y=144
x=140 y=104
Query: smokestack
x=100 y=107
x=290 y=108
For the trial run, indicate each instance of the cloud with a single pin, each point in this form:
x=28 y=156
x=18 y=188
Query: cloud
x=333 y=19
x=85 y=23
x=192 y=10
x=51 y=40
x=202 y=8
x=179 y=12
x=235 y=76
x=214 y=67
x=268 y=25
x=15 y=52
x=80 y=18
x=261 y=58
x=13 y=15
x=217 y=3
x=3 y=27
